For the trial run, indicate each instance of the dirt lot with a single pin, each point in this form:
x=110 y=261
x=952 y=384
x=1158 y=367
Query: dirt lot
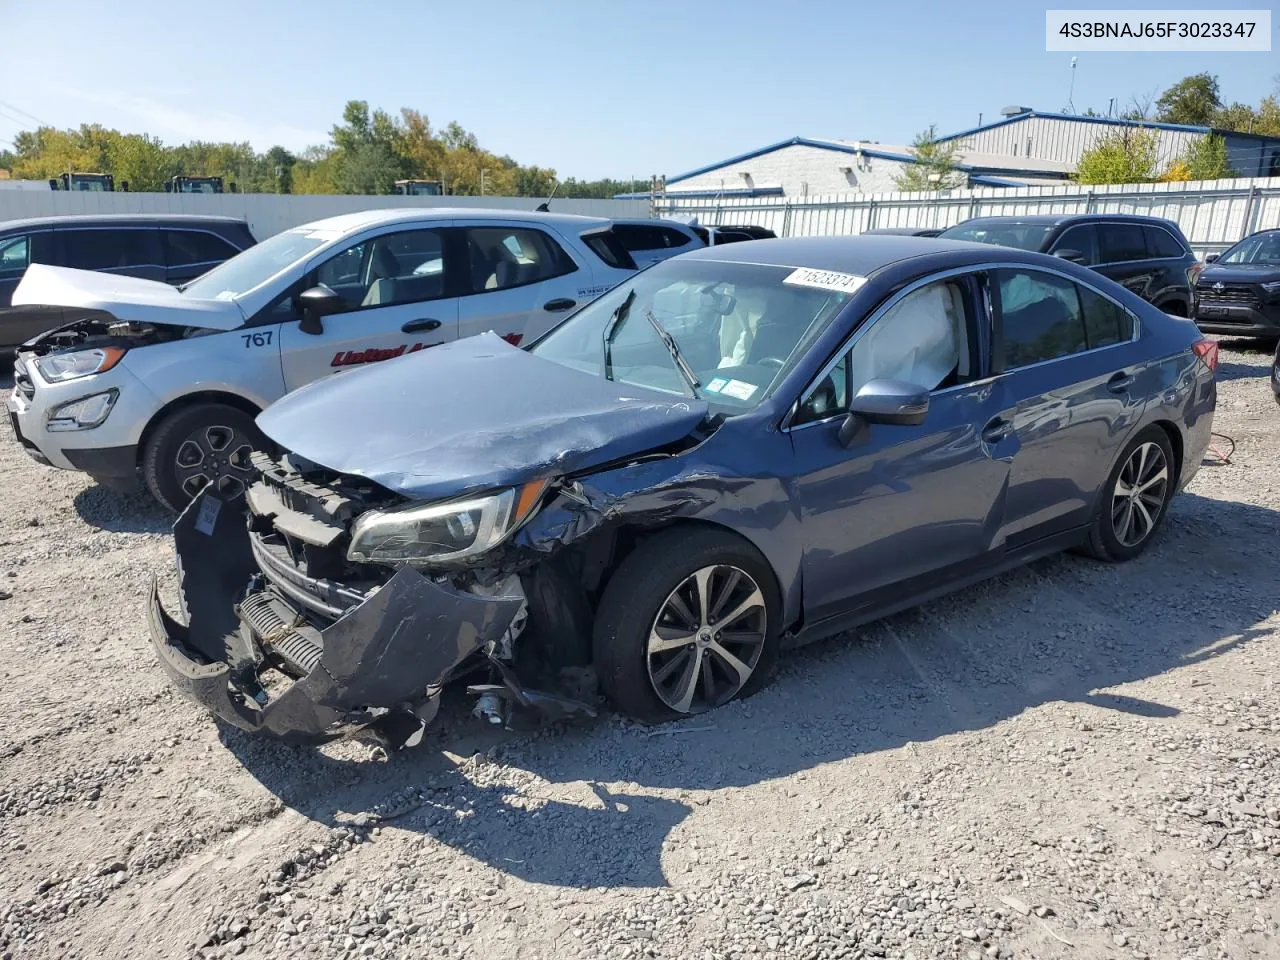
x=1074 y=760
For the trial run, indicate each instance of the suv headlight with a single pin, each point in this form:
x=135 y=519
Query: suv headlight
x=83 y=414
x=1271 y=288
x=60 y=367
x=442 y=532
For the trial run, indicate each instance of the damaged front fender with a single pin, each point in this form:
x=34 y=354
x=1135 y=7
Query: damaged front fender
x=379 y=665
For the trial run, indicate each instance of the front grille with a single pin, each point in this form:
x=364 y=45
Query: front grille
x=299 y=533
x=1231 y=293
x=290 y=576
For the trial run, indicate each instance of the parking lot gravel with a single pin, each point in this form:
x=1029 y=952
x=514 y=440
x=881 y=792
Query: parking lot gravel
x=1073 y=760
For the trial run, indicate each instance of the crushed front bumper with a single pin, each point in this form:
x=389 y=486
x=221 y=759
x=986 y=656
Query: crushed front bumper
x=380 y=664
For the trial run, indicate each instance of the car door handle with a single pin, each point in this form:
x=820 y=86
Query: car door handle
x=560 y=303
x=413 y=326
x=1120 y=382
x=996 y=430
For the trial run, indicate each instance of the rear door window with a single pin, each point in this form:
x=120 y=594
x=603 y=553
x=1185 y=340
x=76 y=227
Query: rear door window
x=110 y=249
x=1122 y=242
x=1162 y=243
x=506 y=257
x=1040 y=318
x=185 y=247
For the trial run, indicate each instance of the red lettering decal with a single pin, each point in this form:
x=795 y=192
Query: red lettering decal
x=339 y=359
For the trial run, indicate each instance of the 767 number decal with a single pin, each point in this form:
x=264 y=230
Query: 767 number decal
x=257 y=339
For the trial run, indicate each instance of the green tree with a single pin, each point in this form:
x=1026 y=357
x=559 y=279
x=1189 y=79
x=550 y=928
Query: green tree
x=935 y=166
x=1128 y=155
x=280 y=163
x=1206 y=159
x=1192 y=100
x=534 y=181
x=422 y=148
x=369 y=168
x=141 y=161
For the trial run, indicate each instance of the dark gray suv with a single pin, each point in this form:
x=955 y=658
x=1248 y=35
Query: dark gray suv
x=173 y=249
x=1148 y=255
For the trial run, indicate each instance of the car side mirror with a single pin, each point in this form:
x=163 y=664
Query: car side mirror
x=1075 y=256
x=885 y=401
x=314 y=303
x=1210 y=258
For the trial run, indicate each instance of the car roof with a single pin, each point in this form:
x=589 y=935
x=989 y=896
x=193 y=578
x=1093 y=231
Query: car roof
x=862 y=255
x=1052 y=219
x=122 y=219
x=346 y=222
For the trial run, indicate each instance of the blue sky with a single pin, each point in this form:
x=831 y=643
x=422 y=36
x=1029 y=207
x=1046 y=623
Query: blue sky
x=593 y=89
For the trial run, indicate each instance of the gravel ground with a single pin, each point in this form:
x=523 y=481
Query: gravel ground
x=1074 y=760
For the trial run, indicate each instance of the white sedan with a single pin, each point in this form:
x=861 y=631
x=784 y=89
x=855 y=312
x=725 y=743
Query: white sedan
x=166 y=382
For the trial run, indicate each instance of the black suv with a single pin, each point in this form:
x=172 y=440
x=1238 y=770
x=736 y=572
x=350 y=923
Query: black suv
x=1239 y=292
x=174 y=249
x=733 y=233
x=1149 y=255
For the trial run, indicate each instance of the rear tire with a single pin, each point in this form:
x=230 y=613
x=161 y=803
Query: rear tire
x=1134 y=499
x=689 y=621
x=197 y=446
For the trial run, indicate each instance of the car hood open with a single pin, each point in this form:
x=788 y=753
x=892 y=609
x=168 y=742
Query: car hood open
x=475 y=414
x=125 y=298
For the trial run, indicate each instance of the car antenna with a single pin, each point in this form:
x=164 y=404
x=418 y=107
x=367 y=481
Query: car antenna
x=545 y=205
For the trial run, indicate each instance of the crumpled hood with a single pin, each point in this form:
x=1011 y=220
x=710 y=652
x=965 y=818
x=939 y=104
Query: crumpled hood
x=1239 y=273
x=125 y=298
x=475 y=414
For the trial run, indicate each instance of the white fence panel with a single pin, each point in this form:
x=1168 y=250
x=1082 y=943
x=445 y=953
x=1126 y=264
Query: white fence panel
x=269 y=213
x=1212 y=213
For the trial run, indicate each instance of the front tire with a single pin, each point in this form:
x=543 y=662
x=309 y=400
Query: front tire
x=1135 y=498
x=199 y=446
x=689 y=621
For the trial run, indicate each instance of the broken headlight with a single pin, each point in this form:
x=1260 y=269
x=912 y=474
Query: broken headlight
x=442 y=532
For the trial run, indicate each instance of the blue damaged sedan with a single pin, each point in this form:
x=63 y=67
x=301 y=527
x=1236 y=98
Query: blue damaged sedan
x=743 y=448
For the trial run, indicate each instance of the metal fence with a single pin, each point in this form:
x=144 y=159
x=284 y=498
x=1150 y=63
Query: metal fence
x=1212 y=213
x=269 y=213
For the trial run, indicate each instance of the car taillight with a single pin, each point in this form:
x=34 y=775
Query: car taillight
x=1207 y=351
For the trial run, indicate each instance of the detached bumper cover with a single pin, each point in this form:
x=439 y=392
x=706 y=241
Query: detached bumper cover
x=382 y=661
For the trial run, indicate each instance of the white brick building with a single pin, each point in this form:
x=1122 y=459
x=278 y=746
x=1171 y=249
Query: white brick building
x=802 y=166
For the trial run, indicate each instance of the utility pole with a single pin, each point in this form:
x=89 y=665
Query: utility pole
x=482 y=181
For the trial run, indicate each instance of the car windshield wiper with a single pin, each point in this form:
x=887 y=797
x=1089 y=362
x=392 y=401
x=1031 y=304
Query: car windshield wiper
x=690 y=379
x=615 y=319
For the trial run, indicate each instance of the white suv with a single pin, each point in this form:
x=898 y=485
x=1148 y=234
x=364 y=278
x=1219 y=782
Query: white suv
x=168 y=381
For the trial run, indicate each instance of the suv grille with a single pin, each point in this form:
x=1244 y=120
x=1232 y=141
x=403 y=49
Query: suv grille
x=1231 y=293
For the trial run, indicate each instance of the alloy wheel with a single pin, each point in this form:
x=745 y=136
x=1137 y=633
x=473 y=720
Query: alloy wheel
x=1140 y=492
x=707 y=638
x=216 y=456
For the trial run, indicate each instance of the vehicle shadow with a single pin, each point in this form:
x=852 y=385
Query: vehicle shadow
x=1242 y=371
x=108 y=509
x=576 y=806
